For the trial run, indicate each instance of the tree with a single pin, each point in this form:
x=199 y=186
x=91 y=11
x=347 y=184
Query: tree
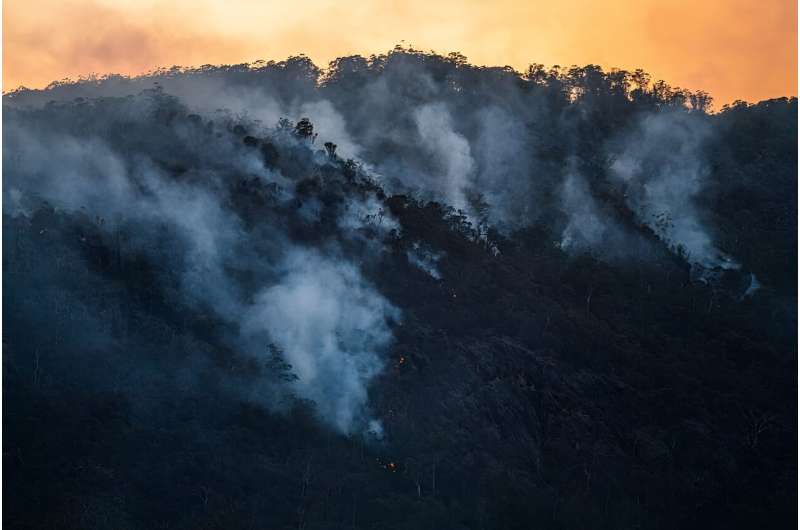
x=278 y=366
x=700 y=101
x=304 y=128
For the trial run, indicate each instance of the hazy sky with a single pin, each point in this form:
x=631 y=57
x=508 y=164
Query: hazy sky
x=735 y=49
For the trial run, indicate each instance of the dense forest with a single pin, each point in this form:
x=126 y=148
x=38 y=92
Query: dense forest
x=401 y=292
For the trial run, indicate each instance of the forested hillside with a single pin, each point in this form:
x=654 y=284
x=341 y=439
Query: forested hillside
x=401 y=292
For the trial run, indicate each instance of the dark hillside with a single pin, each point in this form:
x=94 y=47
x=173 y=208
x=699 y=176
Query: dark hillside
x=424 y=295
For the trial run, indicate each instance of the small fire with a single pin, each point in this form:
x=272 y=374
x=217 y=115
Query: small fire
x=389 y=466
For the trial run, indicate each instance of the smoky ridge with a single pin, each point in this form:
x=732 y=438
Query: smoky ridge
x=345 y=256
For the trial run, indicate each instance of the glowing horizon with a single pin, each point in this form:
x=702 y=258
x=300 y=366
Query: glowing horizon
x=733 y=49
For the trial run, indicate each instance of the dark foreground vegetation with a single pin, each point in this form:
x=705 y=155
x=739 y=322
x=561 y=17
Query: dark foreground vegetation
x=216 y=322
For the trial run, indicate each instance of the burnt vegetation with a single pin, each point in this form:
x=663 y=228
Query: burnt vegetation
x=526 y=385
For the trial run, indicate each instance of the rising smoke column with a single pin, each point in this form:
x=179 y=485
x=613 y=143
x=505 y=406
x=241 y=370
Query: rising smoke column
x=661 y=168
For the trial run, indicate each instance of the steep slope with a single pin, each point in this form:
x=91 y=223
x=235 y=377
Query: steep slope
x=540 y=313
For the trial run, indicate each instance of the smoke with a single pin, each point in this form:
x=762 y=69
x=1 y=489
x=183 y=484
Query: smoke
x=262 y=230
x=587 y=227
x=752 y=287
x=84 y=175
x=481 y=140
x=662 y=170
x=450 y=150
x=591 y=226
x=330 y=125
x=425 y=260
x=505 y=167
x=330 y=325
x=175 y=197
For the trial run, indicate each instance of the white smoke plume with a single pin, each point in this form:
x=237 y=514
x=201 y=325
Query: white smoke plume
x=330 y=324
x=662 y=171
x=425 y=260
x=450 y=149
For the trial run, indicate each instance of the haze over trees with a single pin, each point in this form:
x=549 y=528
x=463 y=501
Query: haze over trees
x=400 y=292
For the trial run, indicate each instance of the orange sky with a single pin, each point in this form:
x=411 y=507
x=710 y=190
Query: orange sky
x=735 y=49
